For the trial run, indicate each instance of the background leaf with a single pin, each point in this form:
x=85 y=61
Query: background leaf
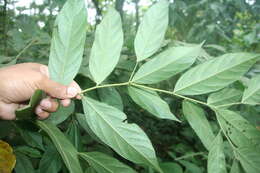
x=150 y=34
x=23 y=164
x=168 y=63
x=103 y=163
x=197 y=120
x=50 y=161
x=252 y=93
x=223 y=71
x=107 y=46
x=68 y=41
x=67 y=151
x=61 y=114
x=128 y=140
x=111 y=97
x=151 y=101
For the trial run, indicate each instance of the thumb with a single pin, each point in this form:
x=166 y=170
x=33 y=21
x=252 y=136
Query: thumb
x=57 y=90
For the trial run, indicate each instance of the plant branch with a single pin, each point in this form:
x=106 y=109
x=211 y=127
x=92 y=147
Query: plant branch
x=230 y=104
x=189 y=155
x=103 y=86
x=171 y=93
x=25 y=48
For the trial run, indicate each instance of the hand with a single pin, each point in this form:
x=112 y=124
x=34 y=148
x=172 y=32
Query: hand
x=18 y=83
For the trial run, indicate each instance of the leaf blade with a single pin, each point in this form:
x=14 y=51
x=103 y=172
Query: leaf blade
x=106 y=47
x=67 y=151
x=252 y=93
x=105 y=164
x=151 y=31
x=197 y=120
x=151 y=102
x=109 y=127
x=67 y=42
x=223 y=71
x=167 y=64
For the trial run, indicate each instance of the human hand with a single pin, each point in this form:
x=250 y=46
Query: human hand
x=18 y=83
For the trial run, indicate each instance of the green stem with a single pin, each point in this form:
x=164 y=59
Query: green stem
x=133 y=72
x=189 y=155
x=230 y=104
x=25 y=48
x=171 y=93
x=103 y=86
x=145 y=87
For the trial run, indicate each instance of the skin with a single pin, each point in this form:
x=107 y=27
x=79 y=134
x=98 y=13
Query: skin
x=18 y=83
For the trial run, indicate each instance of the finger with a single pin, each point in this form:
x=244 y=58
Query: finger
x=65 y=102
x=75 y=85
x=41 y=114
x=7 y=111
x=49 y=105
x=44 y=70
x=57 y=90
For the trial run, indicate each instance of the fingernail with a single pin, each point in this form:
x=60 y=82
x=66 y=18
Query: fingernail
x=72 y=92
x=46 y=104
x=38 y=110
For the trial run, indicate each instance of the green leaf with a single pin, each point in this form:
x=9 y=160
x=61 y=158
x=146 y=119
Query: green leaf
x=236 y=168
x=29 y=151
x=215 y=74
x=249 y=158
x=167 y=64
x=239 y=130
x=61 y=114
x=23 y=164
x=151 y=101
x=105 y=164
x=67 y=151
x=68 y=41
x=169 y=167
x=225 y=96
x=27 y=112
x=111 y=97
x=73 y=134
x=128 y=140
x=106 y=47
x=216 y=157
x=191 y=167
x=197 y=120
x=50 y=161
x=252 y=93
x=150 y=34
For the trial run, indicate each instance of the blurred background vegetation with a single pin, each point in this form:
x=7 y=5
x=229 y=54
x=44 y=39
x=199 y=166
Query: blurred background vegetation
x=224 y=25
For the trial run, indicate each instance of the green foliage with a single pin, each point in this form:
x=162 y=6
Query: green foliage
x=151 y=104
